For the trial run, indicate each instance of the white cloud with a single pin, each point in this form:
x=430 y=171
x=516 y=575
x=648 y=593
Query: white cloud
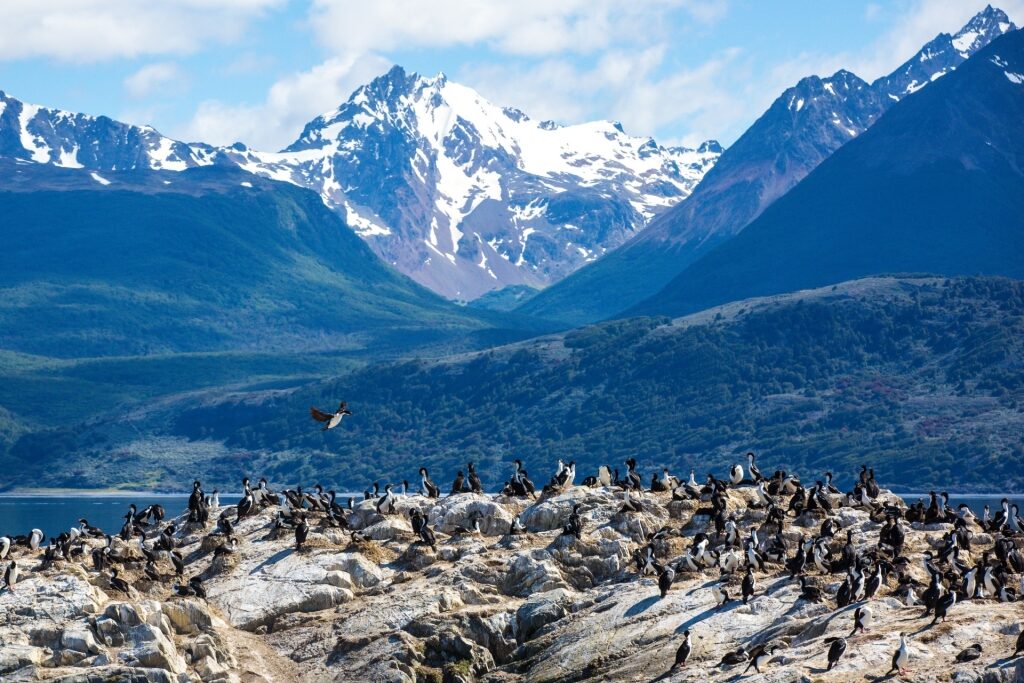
x=622 y=44
x=249 y=63
x=96 y=30
x=290 y=103
x=153 y=77
x=570 y=61
x=522 y=27
x=629 y=83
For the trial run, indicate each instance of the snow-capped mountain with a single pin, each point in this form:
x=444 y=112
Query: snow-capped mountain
x=466 y=196
x=943 y=53
x=52 y=136
x=802 y=128
x=458 y=193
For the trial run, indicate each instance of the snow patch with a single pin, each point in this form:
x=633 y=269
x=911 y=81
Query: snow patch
x=160 y=157
x=99 y=179
x=362 y=225
x=69 y=158
x=33 y=144
x=964 y=41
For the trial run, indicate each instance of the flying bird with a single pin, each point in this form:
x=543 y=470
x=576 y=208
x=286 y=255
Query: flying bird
x=331 y=420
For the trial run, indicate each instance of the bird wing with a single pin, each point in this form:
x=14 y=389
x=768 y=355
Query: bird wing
x=319 y=415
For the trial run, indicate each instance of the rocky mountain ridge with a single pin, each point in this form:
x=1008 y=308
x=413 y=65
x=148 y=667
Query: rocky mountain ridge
x=460 y=194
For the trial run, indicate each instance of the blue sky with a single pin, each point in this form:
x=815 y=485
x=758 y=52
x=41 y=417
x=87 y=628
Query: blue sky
x=257 y=70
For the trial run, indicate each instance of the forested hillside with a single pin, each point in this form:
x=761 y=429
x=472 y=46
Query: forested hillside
x=920 y=378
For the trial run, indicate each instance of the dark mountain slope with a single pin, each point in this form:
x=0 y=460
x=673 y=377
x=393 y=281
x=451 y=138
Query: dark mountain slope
x=803 y=127
x=936 y=186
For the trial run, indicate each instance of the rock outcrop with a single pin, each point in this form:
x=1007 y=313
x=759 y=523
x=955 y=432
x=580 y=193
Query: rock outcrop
x=379 y=605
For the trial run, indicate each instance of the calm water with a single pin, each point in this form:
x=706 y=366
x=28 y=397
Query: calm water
x=53 y=514
x=976 y=501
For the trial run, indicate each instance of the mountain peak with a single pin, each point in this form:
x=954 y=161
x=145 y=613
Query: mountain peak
x=944 y=53
x=712 y=146
x=987 y=24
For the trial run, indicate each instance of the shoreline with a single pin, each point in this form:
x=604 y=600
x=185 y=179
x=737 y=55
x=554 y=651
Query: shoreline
x=116 y=493
x=86 y=493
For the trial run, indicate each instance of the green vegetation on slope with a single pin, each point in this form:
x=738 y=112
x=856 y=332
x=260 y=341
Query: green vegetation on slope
x=162 y=285
x=921 y=378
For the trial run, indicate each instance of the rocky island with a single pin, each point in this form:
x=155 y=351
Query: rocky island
x=592 y=583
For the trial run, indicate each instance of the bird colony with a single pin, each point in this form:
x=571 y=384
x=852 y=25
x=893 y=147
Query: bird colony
x=606 y=577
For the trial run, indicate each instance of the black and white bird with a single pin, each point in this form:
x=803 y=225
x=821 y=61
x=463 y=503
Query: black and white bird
x=118 y=583
x=11 y=575
x=574 y=525
x=737 y=656
x=628 y=504
x=900 y=658
x=666 y=575
x=386 y=503
x=516 y=527
x=943 y=606
x=247 y=504
x=721 y=595
x=749 y=584
x=427 y=487
x=301 y=532
x=736 y=474
x=683 y=653
x=227 y=548
x=760 y=656
x=835 y=652
x=178 y=562
x=861 y=620
x=755 y=473
x=330 y=420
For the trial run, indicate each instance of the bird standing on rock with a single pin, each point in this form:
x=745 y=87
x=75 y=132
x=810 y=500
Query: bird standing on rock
x=457 y=484
x=748 y=585
x=683 y=653
x=474 y=480
x=900 y=658
x=760 y=656
x=11 y=576
x=835 y=651
x=301 y=532
x=666 y=575
x=428 y=487
x=721 y=596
